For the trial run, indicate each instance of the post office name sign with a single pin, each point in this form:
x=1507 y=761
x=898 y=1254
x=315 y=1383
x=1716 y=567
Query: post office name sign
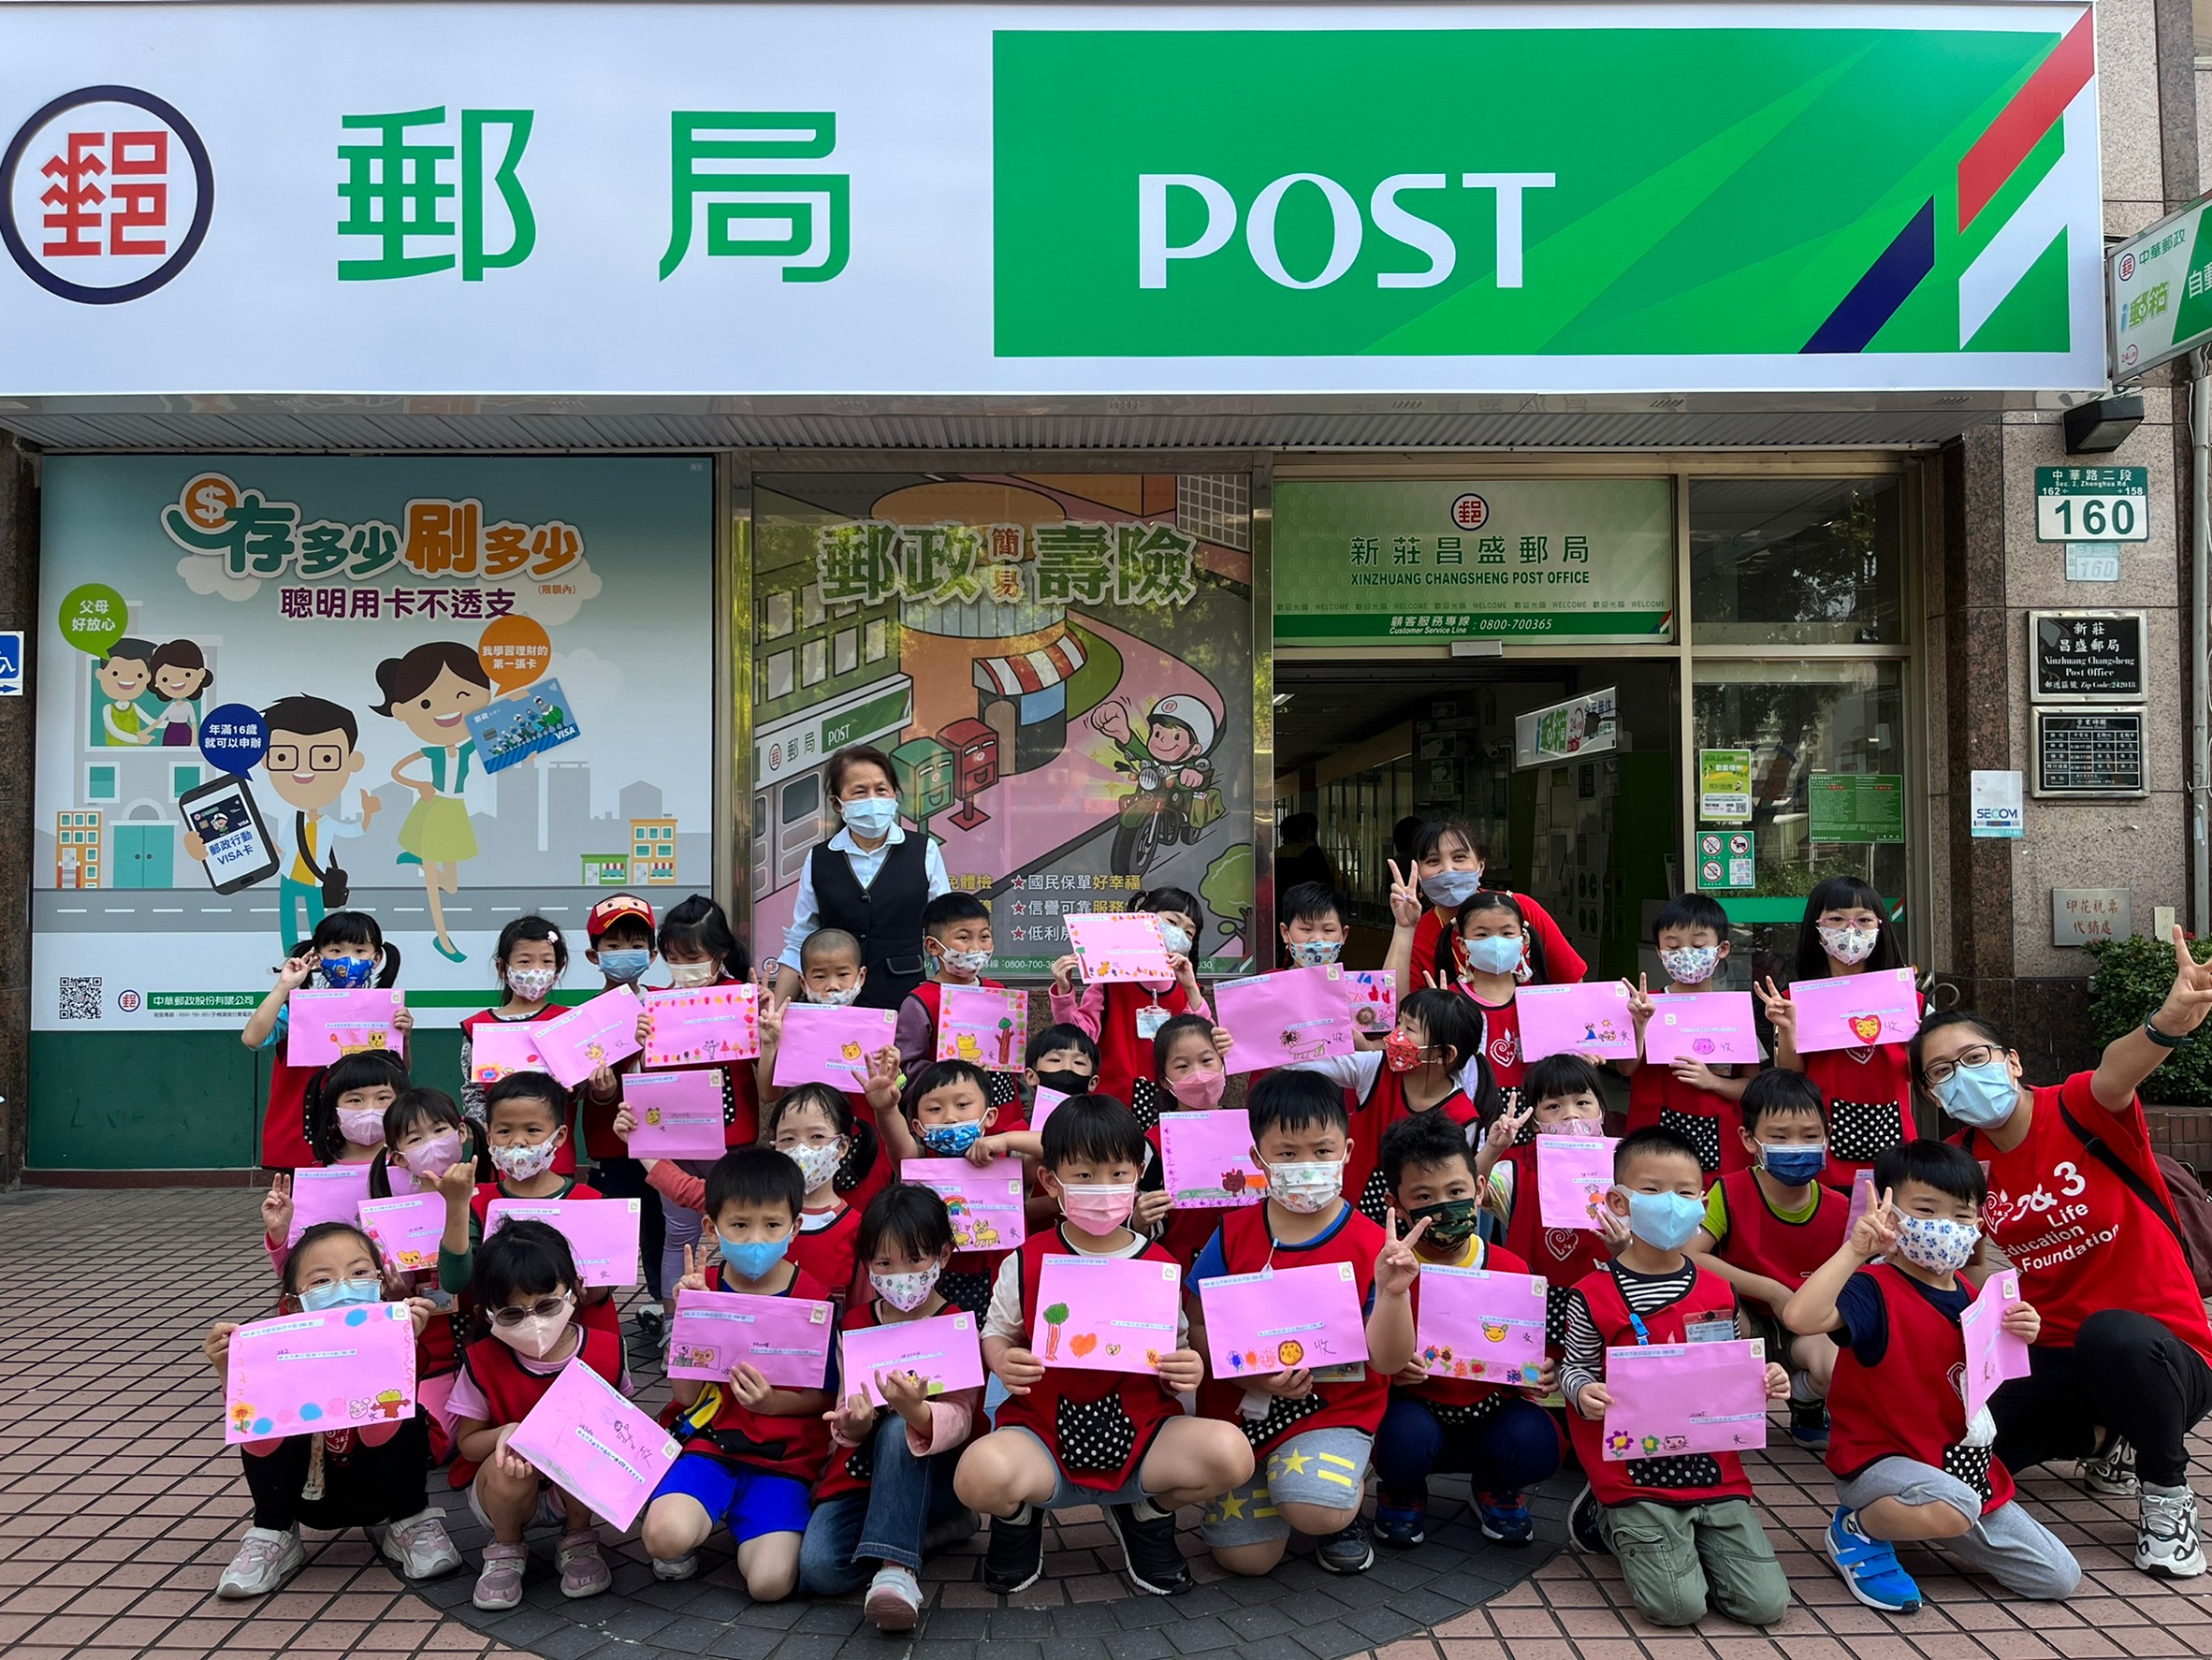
x=496 y=198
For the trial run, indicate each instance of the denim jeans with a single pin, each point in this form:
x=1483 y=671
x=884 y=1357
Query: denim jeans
x=848 y=1534
x=1509 y=1451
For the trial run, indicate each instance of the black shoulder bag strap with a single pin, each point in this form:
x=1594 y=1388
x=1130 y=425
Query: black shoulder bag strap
x=2094 y=1146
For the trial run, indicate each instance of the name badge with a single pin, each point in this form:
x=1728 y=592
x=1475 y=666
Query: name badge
x=1149 y=1020
x=1710 y=1330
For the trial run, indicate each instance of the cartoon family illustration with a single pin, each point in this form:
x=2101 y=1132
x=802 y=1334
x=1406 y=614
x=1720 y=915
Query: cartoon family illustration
x=152 y=692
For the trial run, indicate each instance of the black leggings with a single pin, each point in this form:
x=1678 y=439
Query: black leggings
x=2126 y=1373
x=370 y=1484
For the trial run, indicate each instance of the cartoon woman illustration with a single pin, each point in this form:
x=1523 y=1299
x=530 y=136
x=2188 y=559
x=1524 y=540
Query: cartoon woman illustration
x=430 y=692
x=181 y=675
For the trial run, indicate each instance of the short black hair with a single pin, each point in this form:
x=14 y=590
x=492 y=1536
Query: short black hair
x=1292 y=1098
x=305 y=716
x=1180 y=900
x=1308 y=902
x=1447 y=1020
x=833 y=1103
x=365 y=1068
x=949 y=907
x=1780 y=1090
x=1093 y=1129
x=421 y=1104
x=1425 y=1140
x=853 y=755
x=524 y=929
x=822 y=941
x=1173 y=1031
x=939 y=1073
x=1434 y=835
x=699 y=922
x=535 y=1087
x=1691 y=910
x=289 y=1279
x=1059 y=1037
x=1560 y=1075
x=1979 y=1025
x=1653 y=1140
x=907 y=1214
x=527 y=1257
x=755 y=1175
x=1948 y=1170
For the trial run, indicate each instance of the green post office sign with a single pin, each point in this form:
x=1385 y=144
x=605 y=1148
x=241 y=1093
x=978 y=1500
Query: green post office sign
x=1474 y=559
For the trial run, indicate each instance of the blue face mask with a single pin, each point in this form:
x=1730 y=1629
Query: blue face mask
x=1665 y=1221
x=338 y=1292
x=951 y=1140
x=752 y=1258
x=1983 y=1096
x=628 y=967
x=1314 y=954
x=1794 y=1165
x=346 y=973
x=1451 y=888
x=1498 y=954
x=871 y=816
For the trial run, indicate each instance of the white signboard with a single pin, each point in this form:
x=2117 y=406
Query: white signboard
x=2161 y=293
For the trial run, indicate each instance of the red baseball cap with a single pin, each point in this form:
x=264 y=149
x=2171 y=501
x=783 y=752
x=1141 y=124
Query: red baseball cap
x=609 y=912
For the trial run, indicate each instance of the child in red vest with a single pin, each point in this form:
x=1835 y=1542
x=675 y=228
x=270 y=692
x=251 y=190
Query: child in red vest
x=1909 y=1464
x=1682 y=1526
x=1698 y=1102
x=752 y=1449
x=1561 y=1096
x=621 y=930
x=1188 y=1058
x=1493 y=1433
x=530 y=957
x=346 y=952
x=1768 y=1227
x=956 y=942
x=945 y=1112
x=1311 y=1429
x=1068 y=1436
x=528 y=1291
x=1123 y=1018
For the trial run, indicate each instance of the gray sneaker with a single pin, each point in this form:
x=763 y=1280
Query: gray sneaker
x=682 y=1567
x=2111 y=1472
x=265 y=1560
x=1349 y=1551
x=2166 y=1540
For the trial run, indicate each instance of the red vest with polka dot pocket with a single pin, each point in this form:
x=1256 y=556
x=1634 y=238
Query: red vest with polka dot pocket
x=1772 y=1246
x=796 y=1445
x=1692 y=1479
x=851 y=1468
x=1098 y=1424
x=1123 y=1056
x=1562 y=1255
x=1458 y=1395
x=511 y=1390
x=1386 y=1105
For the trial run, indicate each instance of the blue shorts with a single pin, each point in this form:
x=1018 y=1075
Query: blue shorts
x=751 y=1502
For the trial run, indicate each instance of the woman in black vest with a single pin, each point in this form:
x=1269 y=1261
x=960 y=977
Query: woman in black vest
x=871 y=878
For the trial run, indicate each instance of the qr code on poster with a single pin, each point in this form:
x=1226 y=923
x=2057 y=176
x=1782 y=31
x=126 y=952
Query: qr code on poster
x=80 y=996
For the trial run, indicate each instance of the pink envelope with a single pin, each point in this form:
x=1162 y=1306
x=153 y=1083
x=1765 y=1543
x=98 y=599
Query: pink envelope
x=983 y=1027
x=1111 y=945
x=1862 y=1199
x=602 y=1233
x=406 y=1230
x=497 y=1050
x=1277 y=1020
x=321 y=1026
x=707 y=1024
x=985 y=1201
x=1374 y=993
x=825 y=1045
x=1673 y=1398
x=1574 y=1174
x=1041 y=1107
x=1258 y=1323
x=1576 y=1020
x=1106 y=1314
x=337 y=1370
x=326 y=1193
x=1484 y=1327
x=1207 y=1161
x=679 y=1114
x=1993 y=1355
x=593 y=1443
x=943 y=1350
x=1856 y=1010
x=1713 y=1027
x=787 y=1339
x=589 y=1035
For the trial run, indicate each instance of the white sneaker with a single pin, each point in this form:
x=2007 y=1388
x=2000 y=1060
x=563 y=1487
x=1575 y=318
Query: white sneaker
x=2111 y=1472
x=683 y=1567
x=419 y=1546
x=2166 y=1542
x=265 y=1560
x=894 y=1598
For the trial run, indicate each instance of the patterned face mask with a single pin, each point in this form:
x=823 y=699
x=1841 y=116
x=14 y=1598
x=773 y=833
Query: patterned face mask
x=529 y=984
x=1691 y=965
x=905 y=1292
x=817 y=1165
x=518 y=1164
x=1937 y=1243
x=1307 y=1187
x=1314 y=954
x=1850 y=945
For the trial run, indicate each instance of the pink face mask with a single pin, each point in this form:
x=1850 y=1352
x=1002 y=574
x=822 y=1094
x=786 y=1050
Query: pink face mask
x=363 y=1128
x=433 y=1158
x=1098 y=1210
x=1199 y=1090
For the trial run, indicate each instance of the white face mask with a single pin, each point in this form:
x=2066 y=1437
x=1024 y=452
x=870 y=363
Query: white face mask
x=905 y=1292
x=1176 y=939
x=1850 y=945
x=1937 y=1243
x=518 y=1164
x=837 y=998
x=817 y=1165
x=1305 y=1187
x=686 y=976
x=529 y=984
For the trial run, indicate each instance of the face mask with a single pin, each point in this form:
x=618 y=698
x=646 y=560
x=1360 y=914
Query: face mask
x=536 y=1334
x=966 y=962
x=1176 y=939
x=1098 y=1210
x=1983 y=1096
x=1665 y=1221
x=905 y=1292
x=363 y=1128
x=1314 y=954
x=346 y=973
x=1571 y=1127
x=1067 y=1082
x=1500 y=954
x=339 y=1292
x=1304 y=1188
x=1200 y=1091
x=628 y=967
x=872 y=816
x=685 y=976
x=1936 y=1243
x=1451 y=1221
x=1794 y=1165
x=835 y=999
x=1692 y=964
x=750 y=1259
x=1850 y=945
x=433 y=1158
x=1451 y=888
x=952 y=1139
x=817 y=1165
x=529 y=984
x=1401 y=1054
x=518 y=1164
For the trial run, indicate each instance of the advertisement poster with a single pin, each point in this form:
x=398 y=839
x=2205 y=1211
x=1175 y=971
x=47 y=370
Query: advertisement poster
x=1059 y=667
x=311 y=644
x=1724 y=786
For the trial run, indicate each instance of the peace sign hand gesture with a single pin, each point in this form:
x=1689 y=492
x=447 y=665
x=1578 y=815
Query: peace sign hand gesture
x=1875 y=1233
x=1640 y=1006
x=1781 y=1014
x=1396 y=1267
x=2191 y=998
x=1504 y=1131
x=276 y=1208
x=1405 y=897
x=694 y=1277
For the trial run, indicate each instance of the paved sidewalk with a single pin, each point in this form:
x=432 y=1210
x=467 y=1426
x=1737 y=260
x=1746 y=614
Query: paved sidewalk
x=119 y=1504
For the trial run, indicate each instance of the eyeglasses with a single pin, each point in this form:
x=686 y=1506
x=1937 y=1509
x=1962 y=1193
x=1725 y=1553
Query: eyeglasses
x=320 y=758
x=1938 y=1072
x=545 y=1308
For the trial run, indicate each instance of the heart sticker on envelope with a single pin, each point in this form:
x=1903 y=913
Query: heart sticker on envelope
x=1867 y=1029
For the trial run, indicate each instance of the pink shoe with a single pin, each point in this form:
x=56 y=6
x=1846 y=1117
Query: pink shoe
x=583 y=1571
x=499 y=1583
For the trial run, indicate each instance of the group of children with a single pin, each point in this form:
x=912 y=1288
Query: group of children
x=1728 y=1217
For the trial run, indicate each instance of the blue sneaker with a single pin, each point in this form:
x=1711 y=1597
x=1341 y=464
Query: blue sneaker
x=1869 y=1568
x=1583 y=1531
x=1809 y=1425
x=1401 y=1527
x=1504 y=1517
